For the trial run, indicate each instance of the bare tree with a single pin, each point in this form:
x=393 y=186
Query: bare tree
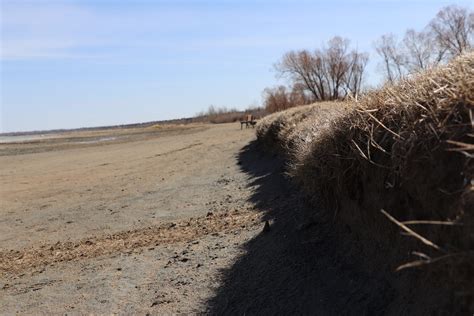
x=453 y=29
x=318 y=64
x=299 y=96
x=421 y=51
x=328 y=73
x=389 y=49
x=337 y=65
x=355 y=74
x=305 y=68
x=449 y=34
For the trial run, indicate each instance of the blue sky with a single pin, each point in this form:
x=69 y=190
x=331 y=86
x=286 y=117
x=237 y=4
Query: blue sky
x=67 y=64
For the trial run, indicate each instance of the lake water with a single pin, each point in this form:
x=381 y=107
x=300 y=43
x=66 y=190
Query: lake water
x=28 y=138
x=24 y=138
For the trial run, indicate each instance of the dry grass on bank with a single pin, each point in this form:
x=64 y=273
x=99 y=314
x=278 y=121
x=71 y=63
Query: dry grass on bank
x=288 y=131
x=400 y=159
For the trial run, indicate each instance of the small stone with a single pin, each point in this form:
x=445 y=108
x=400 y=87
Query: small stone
x=266 y=227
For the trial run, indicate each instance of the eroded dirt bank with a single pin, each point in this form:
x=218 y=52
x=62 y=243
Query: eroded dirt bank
x=394 y=171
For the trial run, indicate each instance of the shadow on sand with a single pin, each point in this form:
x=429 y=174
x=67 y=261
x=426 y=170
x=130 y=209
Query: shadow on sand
x=298 y=267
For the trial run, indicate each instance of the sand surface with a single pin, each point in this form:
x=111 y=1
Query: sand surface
x=140 y=222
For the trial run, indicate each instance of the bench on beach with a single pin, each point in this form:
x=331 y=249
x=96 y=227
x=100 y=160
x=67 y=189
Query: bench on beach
x=248 y=121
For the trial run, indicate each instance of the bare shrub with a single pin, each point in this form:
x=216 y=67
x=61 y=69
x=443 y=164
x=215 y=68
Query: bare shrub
x=280 y=98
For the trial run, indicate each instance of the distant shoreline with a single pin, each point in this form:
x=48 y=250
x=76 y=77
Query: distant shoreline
x=131 y=125
x=224 y=116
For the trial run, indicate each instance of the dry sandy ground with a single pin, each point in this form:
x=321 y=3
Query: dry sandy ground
x=137 y=221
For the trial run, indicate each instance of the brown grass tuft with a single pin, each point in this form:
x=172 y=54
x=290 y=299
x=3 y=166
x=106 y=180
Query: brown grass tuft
x=287 y=132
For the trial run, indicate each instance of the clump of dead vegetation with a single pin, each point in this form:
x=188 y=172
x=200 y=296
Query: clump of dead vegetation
x=400 y=159
x=17 y=261
x=289 y=131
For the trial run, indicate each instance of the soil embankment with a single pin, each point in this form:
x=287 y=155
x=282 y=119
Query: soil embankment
x=395 y=173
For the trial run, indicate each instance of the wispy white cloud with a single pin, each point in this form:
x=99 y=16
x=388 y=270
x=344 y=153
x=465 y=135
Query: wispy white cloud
x=42 y=31
x=67 y=30
x=36 y=48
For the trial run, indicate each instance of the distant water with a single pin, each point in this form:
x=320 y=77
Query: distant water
x=97 y=140
x=28 y=138
x=23 y=138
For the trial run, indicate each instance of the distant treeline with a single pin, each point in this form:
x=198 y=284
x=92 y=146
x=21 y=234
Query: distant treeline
x=223 y=114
